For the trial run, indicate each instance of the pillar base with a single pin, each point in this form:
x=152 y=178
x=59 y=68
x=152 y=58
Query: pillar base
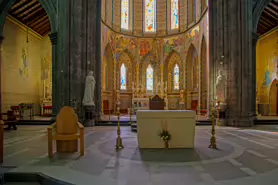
x=247 y=121
x=90 y=116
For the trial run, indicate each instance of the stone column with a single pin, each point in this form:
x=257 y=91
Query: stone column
x=1 y=102
x=98 y=58
x=55 y=97
x=231 y=37
x=255 y=38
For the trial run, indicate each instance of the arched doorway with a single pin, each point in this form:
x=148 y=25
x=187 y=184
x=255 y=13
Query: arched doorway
x=28 y=57
x=273 y=98
x=124 y=82
x=265 y=57
x=107 y=80
x=192 y=78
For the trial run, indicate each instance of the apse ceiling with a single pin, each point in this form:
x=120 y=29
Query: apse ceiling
x=32 y=14
x=269 y=18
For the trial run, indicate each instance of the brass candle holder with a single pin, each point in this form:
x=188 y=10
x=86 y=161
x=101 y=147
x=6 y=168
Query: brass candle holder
x=119 y=144
x=213 y=138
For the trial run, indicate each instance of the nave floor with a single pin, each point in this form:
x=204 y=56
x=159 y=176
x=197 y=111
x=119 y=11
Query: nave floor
x=245 y=156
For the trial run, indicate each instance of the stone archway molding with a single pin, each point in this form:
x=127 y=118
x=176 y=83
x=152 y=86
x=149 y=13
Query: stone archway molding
x=48 y=5
x=258 y=10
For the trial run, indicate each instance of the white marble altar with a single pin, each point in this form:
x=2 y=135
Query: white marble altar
x=179 y=123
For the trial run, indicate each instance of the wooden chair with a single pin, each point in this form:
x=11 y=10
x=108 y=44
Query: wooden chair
x=65 y=132
x=156 y=103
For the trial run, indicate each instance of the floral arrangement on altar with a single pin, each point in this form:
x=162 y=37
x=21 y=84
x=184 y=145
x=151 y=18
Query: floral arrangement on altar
x=165 y=135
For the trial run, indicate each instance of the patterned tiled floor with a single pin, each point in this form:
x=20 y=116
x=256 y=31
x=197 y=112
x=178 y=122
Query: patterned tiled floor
x=245 y=156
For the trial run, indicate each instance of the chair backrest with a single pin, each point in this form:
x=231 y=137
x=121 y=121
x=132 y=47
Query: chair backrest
x=66 y=121
x=10 y=115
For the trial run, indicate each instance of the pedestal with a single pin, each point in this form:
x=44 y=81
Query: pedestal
x=90 y=116
x=222 y=114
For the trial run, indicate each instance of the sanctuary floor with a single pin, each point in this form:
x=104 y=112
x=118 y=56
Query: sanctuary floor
x=245 y=156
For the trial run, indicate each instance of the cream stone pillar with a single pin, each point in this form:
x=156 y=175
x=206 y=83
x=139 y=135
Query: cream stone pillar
x=1 y=50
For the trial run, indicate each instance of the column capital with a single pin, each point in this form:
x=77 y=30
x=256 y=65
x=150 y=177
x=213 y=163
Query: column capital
x=255 y=38
x=53 y=38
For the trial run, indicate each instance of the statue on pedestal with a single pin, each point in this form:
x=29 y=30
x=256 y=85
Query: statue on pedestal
x=158 y=88
x=88 y=99
x=118 y=96
x=182 y=96
x=221 y=83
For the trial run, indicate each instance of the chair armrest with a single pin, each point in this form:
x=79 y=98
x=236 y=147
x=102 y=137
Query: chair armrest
x=52 y=126
x=80 y=125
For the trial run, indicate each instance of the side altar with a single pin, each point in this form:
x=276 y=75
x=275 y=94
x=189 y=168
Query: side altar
x=179 y=123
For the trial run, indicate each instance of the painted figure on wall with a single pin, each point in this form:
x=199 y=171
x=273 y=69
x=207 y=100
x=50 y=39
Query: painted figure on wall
x=45 y=69
x=23 y=71
x=267 y=77
x=144 y=48
x=167 y=48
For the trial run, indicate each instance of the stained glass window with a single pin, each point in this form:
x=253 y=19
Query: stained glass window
x=176 y=77
x=123 y=77
x=149 y=75
x=124 y=14
x=174 y=14
x=150 y=9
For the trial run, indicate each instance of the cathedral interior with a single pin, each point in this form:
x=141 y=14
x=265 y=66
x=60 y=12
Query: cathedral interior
x=109 y=59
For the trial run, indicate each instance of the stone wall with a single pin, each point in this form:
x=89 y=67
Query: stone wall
x=22 y=81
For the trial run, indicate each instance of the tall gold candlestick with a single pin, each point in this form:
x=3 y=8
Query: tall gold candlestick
x=119 y=144
x=213 y=138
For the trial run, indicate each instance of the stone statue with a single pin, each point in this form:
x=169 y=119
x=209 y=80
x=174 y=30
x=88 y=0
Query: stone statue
x=88 y=99
x=182 y=96
x=221 y=83
x=118 y=96
x=158 y=86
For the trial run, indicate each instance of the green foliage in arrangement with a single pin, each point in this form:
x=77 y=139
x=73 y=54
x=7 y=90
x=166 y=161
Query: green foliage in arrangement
x=165 y=135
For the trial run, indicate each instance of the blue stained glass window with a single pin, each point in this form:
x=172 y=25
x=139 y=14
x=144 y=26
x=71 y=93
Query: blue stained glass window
x=174 y=14
x=125 y=14
x=149 y=76
x=176 y=77
x=123 y=77
x=150 y=13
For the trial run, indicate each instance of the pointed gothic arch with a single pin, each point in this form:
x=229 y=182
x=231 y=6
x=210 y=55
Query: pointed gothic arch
x=149 y=60
x=192 y=77
x=191 y=68
x=273 y=98
x=107 y=69
x=126 y=59
x=170 y=62
x=46 y=4
x=204 y=75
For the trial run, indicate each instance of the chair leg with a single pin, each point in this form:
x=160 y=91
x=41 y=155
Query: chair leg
x=82 y=142
x=50 y=144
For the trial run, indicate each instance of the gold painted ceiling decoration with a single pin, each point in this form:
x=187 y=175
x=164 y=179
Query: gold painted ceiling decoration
x=31 y=14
